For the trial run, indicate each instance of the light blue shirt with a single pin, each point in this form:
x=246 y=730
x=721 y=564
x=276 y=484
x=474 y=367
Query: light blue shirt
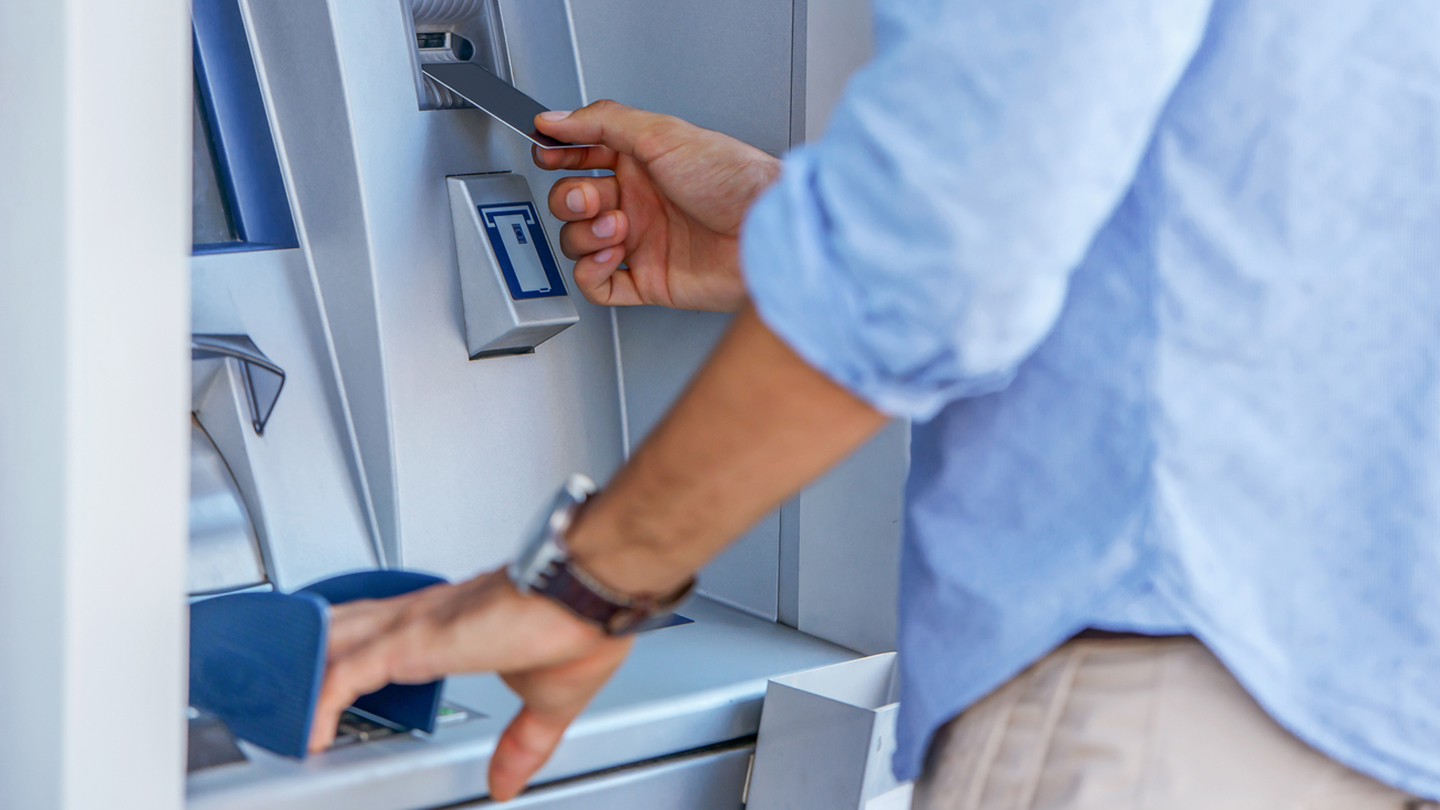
x=1159 y=283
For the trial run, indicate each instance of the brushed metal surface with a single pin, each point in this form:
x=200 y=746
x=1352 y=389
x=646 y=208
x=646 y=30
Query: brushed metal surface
x=712 y=780
x=301 y=479
x=392 y=447
x=725 y=66
x=440 y=12
x=456 y=456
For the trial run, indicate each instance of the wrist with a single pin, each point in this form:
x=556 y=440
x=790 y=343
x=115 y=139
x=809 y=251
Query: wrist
x=626 y=564
x=549 y=566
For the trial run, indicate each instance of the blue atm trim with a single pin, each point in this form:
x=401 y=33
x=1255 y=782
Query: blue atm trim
x=244 y=148
x=537 y=238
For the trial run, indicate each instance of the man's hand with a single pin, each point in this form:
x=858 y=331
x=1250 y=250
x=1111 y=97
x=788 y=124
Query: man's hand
x=554 y=661
x=671 y=212
x=756 y=424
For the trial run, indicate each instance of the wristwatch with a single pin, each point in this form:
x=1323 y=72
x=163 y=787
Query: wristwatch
x=546 y=567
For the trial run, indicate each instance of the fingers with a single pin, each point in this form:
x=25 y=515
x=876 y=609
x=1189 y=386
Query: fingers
x=602 y=282
x=554 y=660
x=359 y=673
x=353 y=623
x=595 y=240
x=626 y=130
x=583 y=238
x=575 y=198
x=574 y=159
x=367 y=647
x=554 y=697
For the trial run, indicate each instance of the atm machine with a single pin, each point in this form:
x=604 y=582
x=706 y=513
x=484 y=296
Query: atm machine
x=365 y=396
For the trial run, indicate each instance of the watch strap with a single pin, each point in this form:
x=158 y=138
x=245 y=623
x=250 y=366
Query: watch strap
x=570 y=585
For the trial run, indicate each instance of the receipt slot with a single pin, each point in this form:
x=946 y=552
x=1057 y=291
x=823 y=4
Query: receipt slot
x=513 y=292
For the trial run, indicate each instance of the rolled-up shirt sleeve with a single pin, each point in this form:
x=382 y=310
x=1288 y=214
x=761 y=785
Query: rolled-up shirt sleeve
x=921 y=249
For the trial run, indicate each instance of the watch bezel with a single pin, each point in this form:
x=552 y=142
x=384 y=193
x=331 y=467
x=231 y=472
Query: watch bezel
x=547 y=543
x=546 y=568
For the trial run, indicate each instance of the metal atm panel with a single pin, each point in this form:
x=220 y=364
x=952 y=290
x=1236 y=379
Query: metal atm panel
x=367 y=169
x=393 y=447
x=726 y=66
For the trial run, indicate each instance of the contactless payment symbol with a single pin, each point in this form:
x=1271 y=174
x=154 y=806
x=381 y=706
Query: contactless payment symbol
x=518 y=240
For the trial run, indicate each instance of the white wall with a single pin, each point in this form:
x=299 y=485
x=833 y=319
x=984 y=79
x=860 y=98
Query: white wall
x=94 y=237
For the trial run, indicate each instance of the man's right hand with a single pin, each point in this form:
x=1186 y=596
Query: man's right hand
x=671 y=212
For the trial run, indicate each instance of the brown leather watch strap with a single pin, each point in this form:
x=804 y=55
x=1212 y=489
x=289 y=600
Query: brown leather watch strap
x=616 y=613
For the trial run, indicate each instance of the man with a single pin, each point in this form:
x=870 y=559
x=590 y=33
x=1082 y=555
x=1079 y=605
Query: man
x=1157 y=283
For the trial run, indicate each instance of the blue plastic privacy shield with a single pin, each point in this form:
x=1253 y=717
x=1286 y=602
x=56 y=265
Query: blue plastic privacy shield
x=518 y=239
x=257 y=660
x=369 y=585
x=407 y=705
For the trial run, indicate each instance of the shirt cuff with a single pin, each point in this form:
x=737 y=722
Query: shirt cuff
x=840 y=319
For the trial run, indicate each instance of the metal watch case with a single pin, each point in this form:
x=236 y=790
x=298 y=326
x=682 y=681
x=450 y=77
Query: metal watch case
x=546 y=568
x=547 y=543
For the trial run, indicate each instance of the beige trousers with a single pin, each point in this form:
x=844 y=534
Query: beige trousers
x=1139 y=724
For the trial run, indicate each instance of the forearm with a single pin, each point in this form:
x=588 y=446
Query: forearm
x=755 y=425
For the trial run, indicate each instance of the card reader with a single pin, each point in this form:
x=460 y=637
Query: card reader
x=497 y=97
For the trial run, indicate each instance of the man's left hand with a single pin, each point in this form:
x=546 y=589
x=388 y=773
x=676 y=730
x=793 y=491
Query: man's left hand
x=553 y=660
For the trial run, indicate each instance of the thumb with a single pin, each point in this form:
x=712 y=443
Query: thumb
x=553 y=698
x=637 y=133
x=526 y=744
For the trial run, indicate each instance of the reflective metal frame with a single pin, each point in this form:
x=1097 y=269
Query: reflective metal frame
x=263 y=379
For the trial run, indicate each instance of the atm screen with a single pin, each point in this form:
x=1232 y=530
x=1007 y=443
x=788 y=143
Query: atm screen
x=238 y=198
x=211 y=222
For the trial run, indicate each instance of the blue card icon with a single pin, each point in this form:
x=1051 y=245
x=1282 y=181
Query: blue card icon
x=517 y=237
